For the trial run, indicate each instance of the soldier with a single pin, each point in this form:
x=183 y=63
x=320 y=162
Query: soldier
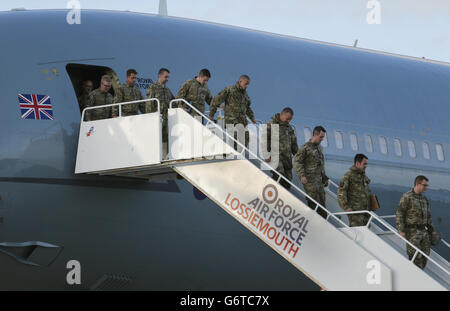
x=127 y=92
x=309 y=164
x=354 y=192
x=86 y=88
x=100 y=97
x=160 y=91
x=287 y=144
x=414 y=221
x=196 y=92
x=237 y=106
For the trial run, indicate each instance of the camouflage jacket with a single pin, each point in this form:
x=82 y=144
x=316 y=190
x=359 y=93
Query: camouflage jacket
x=287 y=139
x=413 y=209
x=237 y=105
x=126 y=93
x=309 y=162
x=195 y=93
x=163 y=94
x=98 y=98
x=354 y=191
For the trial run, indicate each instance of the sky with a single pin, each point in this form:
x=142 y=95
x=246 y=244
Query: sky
x=418 y=28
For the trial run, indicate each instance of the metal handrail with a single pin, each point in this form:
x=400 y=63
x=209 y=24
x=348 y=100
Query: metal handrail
x=264 y=164
x=445 y=242
x=330 y=182
x=120 y=106
x=374 y=216
x=387 y=216
x=394 y=216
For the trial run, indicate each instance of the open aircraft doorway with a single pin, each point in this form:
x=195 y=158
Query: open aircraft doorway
x=79 y=73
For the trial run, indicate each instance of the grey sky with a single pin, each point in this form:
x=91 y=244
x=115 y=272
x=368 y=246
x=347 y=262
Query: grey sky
x=411 y=27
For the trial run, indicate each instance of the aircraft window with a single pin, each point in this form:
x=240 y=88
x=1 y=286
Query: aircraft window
x=79 y=73
x=369 y=143
x=398 y=147
x=354 y=142
x=440 y=152
x=324 y=142
x=426 y=151
x=339 y=140
x=308 y=134
x=383 y=145
x=412 y=149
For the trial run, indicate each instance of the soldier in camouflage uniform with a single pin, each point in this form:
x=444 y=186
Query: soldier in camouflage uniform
x=414 y=220
x=86 y=88
x=196 y=92
x=309 y=164
x=287 y=141
x=127 y=92
x=354 y=192
x=100 y=97
x=160 y=91
x=237 y=103
x=237 y=107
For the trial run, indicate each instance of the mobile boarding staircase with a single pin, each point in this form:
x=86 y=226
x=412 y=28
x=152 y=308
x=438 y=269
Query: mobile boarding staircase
x=328 y=251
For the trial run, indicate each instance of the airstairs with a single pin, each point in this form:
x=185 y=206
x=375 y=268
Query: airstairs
x=328 y=251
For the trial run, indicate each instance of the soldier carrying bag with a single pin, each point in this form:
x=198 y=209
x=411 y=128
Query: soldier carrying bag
x=374 y=202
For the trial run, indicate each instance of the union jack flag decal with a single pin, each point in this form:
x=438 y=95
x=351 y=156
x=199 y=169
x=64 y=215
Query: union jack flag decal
x=35 y=107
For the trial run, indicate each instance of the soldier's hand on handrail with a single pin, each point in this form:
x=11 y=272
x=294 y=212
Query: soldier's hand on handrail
x=349 y=209
x=402 y=234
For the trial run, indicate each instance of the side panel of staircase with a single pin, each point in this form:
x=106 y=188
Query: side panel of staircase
x=119 y=143
x=301 y=236
x=405 y=275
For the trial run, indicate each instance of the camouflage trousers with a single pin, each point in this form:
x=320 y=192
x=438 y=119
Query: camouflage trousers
x=165 y=130
x=420 y=239
x=358 y=220
x=285 y=169
x=316 y=191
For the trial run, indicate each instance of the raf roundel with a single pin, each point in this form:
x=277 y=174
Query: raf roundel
x=270 y=193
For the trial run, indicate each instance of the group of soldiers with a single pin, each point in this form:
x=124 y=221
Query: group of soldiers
x=413 y=215
x=195 y=91
x=354 y=195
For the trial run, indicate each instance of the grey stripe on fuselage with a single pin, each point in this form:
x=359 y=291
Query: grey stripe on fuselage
x=120 y=183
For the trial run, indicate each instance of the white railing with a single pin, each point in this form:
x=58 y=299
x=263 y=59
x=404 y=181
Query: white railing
x=381 y=221
x=120 y=106
x=394 y=216
x=391 y=230
x=332 y=183
x=445 y=242
x=264 y=163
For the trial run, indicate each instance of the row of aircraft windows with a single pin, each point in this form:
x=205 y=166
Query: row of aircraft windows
x=383 y=144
